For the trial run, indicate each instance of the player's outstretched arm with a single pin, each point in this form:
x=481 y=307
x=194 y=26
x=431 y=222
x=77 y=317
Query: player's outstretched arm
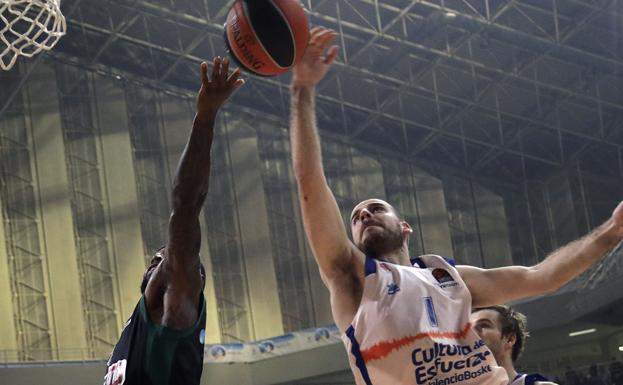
x=323 y=223
x=181 y=280
x=506 y=284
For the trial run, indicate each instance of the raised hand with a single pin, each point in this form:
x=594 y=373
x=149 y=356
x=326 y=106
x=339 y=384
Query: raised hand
x=317 y=59
x=215 y=90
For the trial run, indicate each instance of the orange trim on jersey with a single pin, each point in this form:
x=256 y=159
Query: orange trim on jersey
x=383 y=349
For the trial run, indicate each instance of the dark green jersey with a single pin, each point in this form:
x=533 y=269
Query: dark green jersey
x=150 y=354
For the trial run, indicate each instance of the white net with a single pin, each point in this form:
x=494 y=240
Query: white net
x=27 y=27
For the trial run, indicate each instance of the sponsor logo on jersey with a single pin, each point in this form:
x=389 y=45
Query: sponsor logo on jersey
x=116 y=373
x=456 y=362
x=392 y=289
x=442 y=276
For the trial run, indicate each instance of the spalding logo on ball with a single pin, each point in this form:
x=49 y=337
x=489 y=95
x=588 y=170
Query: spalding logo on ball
x=267 y=37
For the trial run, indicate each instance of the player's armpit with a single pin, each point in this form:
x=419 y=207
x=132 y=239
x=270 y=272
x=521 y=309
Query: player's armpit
x=181 y=310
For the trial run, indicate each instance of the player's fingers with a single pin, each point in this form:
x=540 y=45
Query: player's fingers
x=314 y=31
x=320 y=44
x=331 y=55
x=216 y=70
x=224 y=71
x=239 y=83
x=203 y=70
x=327 y=40
x=321 y=35
x=318 y=47
x=234 y=76
x=316 y=38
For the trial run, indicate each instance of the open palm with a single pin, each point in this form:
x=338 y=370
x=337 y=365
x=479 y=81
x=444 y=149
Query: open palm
x=317 y=59
x=216 y=89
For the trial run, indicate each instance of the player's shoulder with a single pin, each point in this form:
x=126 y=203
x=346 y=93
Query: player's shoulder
x=432 y=260
x=533 y=379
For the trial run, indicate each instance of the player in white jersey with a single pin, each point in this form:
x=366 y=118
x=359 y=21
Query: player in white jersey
x=504 y=331
x=404 y=323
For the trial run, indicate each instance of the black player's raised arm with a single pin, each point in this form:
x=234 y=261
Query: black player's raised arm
x=162 y=341
x=180 y=281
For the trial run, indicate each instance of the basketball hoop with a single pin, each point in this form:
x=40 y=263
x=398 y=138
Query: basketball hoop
x=28 y=27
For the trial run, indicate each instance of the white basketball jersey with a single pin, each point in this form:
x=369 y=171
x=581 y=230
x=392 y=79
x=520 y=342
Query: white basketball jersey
x=412 y=328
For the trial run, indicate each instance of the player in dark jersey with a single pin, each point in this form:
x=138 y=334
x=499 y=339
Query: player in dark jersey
x=162 y=342
x=504 y=330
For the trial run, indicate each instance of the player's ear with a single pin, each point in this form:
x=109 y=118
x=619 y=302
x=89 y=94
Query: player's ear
x=510 y=340
x=406 y=228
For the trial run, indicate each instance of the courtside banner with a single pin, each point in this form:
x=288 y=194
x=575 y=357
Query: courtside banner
x=271 y=347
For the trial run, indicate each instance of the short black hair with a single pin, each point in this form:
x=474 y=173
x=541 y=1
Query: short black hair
x=145 y=281
x=513 y=323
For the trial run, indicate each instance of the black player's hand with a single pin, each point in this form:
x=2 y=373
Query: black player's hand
x=215 y=90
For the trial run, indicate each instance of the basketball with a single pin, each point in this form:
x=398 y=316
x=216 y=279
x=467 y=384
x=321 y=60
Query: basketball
x=267 y=37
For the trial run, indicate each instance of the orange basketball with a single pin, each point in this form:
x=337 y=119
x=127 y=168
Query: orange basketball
x=267 y=37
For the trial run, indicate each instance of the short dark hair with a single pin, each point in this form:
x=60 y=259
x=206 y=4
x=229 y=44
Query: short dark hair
x=145 y=280
x=513 y=323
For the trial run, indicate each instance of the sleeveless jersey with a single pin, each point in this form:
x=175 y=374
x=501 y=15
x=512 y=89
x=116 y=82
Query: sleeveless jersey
x=531 y=379
x=151 y=354
x=412 y=327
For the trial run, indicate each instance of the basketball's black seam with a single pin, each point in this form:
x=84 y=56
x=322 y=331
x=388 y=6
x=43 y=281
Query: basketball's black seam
x=257 y=38
x=285 y=19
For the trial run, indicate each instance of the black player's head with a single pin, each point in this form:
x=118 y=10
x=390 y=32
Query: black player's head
x=158 y=257
x=503 y=330
x=377 y=229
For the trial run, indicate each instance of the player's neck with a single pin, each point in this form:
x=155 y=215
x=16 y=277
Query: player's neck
x=507 y=364
x=397 y=257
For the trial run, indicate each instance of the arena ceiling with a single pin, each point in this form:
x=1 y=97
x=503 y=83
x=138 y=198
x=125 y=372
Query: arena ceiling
x=502 y=88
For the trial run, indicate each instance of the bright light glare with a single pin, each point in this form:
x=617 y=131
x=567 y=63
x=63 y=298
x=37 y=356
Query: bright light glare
x=581 y=332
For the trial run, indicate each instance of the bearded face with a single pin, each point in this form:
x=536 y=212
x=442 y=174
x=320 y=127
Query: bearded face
x=378 y=242
x=376 y=228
